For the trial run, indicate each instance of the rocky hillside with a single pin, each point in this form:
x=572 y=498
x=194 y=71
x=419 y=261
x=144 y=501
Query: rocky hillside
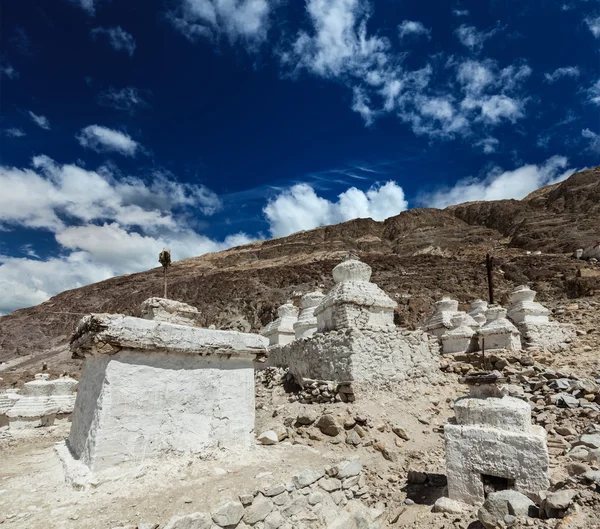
x=417 y=257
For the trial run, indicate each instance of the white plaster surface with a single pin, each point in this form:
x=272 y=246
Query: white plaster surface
x=169 y=311
x=306 y=325
x=523 y=308
x=499 y=332
x=281 y=331
x=108 y=333
x=474 y=450
x=551 y=336
x=134 y=405
x=441 y=320
x=506 y=413
x=354 y=302
x=372 y=356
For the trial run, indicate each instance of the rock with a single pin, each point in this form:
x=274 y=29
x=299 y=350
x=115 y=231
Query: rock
x=564 y=400
x=498 y=504
x=352 y=438
x=400 y=432
x=229 y=514
x=388 y=454
x=268 y=438
x=416 y=478
x=593 y=476
x=258 y=511
x=328 y=425
x=562 y=430
x=274 y=490
x=561 y=499
x=593 y=456
x=306 y=416
x=579 y=452
x=330 y=484
x=575 y=469
x=589 y=440
x=197 y=520
x=246 y=499
x=347 y=469
x=444 y=504
x=274 y=520
x=306 y=477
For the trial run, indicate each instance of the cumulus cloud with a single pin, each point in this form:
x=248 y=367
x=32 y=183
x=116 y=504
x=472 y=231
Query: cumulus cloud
x=498 y=184
x=412 y=28
x=14 y=133
x=300 y=208
x=246 y=20
x=117 y=37
x=128 y=99
x=104 y=224
x=102 y=139
x=472 y=38
x=593 y=24
x=40 y=121
x=559 y=73
x=593 y=140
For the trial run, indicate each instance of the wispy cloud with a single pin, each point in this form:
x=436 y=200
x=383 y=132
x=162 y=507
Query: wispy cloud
x=102 y=139
x=593 y=93
x=14 y=133
x=460 y=12
x=593 y=140
x=559 y=73
x=7 y=70
x=128 y=99
x=117 y=37
x=593 y=24
x=488 y=145
x=89 y=6
x=473 y=38
x=410 y=28
x=243 y=20
x=40 y=121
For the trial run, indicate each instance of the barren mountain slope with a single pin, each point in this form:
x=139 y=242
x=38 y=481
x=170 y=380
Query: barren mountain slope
x=417 y=256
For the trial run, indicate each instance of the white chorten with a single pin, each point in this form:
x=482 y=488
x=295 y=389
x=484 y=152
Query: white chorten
x=523 y=308
x=281 y=331
x=354 y=302
x=477 y=311
x=498 y=332
x=462 y=338
x=169 y=311
x=441 y=319
x=306 y=325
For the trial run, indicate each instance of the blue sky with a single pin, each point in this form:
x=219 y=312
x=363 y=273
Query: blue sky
x=202 y=124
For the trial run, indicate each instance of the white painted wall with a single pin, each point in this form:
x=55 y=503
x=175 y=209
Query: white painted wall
x=135 y=405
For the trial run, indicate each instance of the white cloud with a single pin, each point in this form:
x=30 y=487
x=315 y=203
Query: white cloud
x=102 y=139
x=338 y=44
x=9 y=71
x=40 y=121
x=103 y=225
x=412 y=28
x=472 y=38
x=493 y=109
x=118 y=38
x=593 y=23
x=594 y=93
x=593 y=139
x=475 y=76
x=300 y=208
x=52 y=196
x=87 y=5
x=128 y=98
x=14 y=133
x=488 y=145
x=559 y=73
x=499 y=185
x=460 y=12
x=246 y=20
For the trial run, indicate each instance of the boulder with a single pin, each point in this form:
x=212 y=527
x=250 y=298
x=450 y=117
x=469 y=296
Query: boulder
x=499 y=504
x=444 y=504
x=329 y=425
x=268 y=438
x=229 y=514
x=196 y=520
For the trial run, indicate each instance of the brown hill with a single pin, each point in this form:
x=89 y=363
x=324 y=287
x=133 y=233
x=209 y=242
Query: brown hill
x=417 y=256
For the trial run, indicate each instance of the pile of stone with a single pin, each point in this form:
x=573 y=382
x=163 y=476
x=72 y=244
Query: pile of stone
x=329 y=498
x=323 y=392
x=39 y=403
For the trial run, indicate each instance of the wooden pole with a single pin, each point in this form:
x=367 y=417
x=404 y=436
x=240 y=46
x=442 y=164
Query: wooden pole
x=165 y=280
x=489 y=262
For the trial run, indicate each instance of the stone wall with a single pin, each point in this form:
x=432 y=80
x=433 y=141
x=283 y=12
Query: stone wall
x=378 y=356
x=551 y=336
x=328 y=498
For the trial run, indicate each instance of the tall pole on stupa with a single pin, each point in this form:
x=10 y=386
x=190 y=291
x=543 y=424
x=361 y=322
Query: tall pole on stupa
x=164 y=258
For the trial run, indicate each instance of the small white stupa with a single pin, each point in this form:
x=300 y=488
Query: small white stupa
x=281 y=331
x=523 y=308
x=498 y=332
x=441 y=320
x=34 y=407
x=354 y=302
x=462 y=338
x=169 y=311
x=306 y=325
x=477 y=311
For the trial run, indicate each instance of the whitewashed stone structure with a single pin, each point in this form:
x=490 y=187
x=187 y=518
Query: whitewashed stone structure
x=478 y=308
x=523 y=308
x=354 y=302
x=493 y=444
x=169 y=311
x=441 y=319
x=149 y=387
x=281 y=331
x=499 y=332
x=461 y=338
x=306 y=325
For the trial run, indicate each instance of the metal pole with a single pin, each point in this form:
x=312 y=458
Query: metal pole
x=489 y=262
